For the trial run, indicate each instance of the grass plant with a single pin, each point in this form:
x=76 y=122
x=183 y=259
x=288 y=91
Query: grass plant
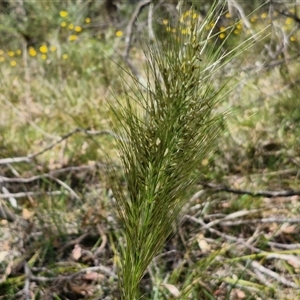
x=167 y=129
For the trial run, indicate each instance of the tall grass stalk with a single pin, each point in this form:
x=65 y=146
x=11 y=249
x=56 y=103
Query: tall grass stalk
x=168 y=128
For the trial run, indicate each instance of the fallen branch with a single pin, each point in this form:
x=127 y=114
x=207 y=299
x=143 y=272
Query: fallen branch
x=129 y=30
x=7 y=214
x=267 y=194
x=34 y=178
x=102 y=269
x=30 y=157
x=29 y=194
x=51 y=174
x=26 y=291
x=284 y=246
x=263 y=220
x=274 y=275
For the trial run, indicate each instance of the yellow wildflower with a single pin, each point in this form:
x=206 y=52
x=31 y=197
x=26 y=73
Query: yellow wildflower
x=264 y=15
x=18 y=51
x=253 y=19
x=71 y=26
x=63 y=24
x=210 y=26
x=63 y=14
x=32 y=52
x=87 y=20
x=195 y=15
x=222 y=36
x=11 y=53
x=65 y=56
x=288 y=21
x=293 y=38
x=73 y=37
x=222 y=29
x=43 y=56
x=53 y=48
x=13 y=63
x=205 y=162
x=228 y=16
x=1 y=58
x=78 y=29
x=165 y=22
x=239 y=26
x=119 y=33
x=43 y=49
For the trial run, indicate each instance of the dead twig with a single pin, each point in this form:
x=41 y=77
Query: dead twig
x=129 y=30
x=5 y=213
x=12 y=200
x=73 y=242
x=28 y=194
x=204 y=226
x=234 y=215
x=26 y=290
x=284 y=246
x=267 y=194
x=8 y=215
x=276 y=276
x=266 y=66
x=103 y=242
x=106 y=271
x=263 y=220
x=65 y=186
x=51 y=174
x=30 y=157
x=150 y=22
x=233 y=3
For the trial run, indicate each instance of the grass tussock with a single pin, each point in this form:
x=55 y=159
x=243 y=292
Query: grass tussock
x=167 y=129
